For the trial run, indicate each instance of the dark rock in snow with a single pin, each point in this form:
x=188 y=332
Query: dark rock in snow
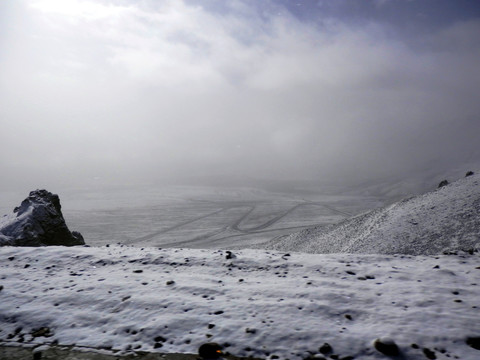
x=44 y=331
x=429 y=354
x=38 y=221
x=474 y=342
x=230 y=255
x=386 y=346
x=443 y=183
x=326 y=349
x=160 y=339
x=469 y=173
x=210 y=351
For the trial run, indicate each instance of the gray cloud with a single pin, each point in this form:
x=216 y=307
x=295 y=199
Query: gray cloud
x=153 y=89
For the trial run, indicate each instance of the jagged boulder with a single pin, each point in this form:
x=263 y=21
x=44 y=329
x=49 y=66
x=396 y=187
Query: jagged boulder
x=38 y=221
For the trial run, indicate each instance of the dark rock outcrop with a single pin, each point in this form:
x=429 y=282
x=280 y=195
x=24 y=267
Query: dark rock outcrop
x=443 y=183
x=38 y=221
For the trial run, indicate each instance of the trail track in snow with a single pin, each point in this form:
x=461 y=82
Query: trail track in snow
x=234 y=225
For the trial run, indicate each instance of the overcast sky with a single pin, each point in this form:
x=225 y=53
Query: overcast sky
x=281 y=89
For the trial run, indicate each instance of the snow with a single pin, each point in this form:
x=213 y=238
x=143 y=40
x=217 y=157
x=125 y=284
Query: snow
x=443 y=220
x=261 y=303
x=13 y=224
x=378 y=275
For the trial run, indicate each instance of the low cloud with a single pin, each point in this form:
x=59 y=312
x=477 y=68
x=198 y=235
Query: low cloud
x=157 y=89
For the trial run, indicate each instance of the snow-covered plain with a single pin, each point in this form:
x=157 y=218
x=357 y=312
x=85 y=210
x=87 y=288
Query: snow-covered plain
x=201 y=216
x=257 y=303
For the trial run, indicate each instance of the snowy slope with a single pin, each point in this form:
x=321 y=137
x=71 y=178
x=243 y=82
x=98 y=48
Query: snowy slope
x=258 y=303
x=446 y=219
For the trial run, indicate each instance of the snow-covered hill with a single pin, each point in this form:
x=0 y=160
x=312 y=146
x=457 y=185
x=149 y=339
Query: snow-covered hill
x=446 y=219
x=263 y=304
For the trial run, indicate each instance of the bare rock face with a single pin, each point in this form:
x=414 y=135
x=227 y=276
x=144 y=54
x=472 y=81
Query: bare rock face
x=38 y=221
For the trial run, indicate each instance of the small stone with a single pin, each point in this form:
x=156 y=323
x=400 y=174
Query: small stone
x=170 y=282
x=348 y=317
x=44 y=331
x=443 y=183
x=326 y=349
x=210 y=351
x=429 y=354
x=211 y=326
x=474 y=342
x=386 y=346
x=250 y=331
x=160 y=339
x=138 y=271
x=469 y=173
x=219 y=312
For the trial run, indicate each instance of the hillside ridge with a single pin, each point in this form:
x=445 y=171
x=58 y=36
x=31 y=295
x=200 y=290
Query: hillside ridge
x=443 y=220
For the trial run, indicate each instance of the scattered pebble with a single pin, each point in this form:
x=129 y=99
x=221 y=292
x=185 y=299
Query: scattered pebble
x=386 y=346
x=429 y=354
x=326 y=349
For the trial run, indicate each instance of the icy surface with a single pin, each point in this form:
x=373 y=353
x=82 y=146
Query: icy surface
x=446 y=219
x=257 y=303
x=202 y=216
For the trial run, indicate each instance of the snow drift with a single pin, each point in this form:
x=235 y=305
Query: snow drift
x=37 y=221
x=447 y=219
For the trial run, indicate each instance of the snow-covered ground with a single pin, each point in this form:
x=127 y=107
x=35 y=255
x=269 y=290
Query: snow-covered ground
x=258 y=303
x=442 y=220
x=200 y=216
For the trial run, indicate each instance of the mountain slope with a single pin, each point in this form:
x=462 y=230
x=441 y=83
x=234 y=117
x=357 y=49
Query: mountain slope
x=446 y=219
